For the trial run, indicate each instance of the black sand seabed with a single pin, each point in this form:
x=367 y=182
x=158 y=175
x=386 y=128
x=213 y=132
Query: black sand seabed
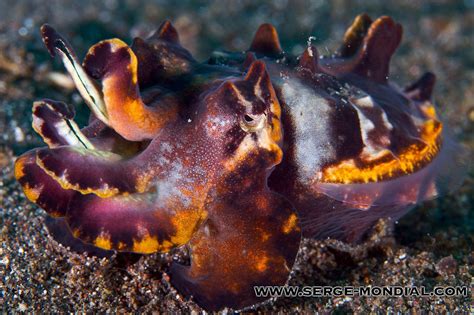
x=432 y=246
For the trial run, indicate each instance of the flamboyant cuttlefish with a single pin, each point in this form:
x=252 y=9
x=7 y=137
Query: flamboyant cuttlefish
x=236 y=157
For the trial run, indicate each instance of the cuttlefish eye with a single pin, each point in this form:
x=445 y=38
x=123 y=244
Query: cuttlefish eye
x=252 y=123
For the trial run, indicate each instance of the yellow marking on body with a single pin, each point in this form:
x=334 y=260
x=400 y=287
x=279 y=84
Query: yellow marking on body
x=269 y=139
x=186 y=224
x=133 y=67
x=76 y=233
x=103 y=241
x=147 y=245
x=128 y=114
x=103 y=192
x=121 y=246
x=166 y=246
x=262 y=263
x=143 y=181
x=32 y=193
x=19 y=167
x=265 y=236
x=290 y=224
x=429 y=110
x=240 y=154
x=409 y=160
x=276 y=133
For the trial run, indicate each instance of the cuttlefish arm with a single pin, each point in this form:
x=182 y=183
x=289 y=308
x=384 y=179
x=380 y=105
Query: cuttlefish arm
x=117 y=101
x=70 y=152
x=87 y=87
x=138 y=222
x=141 y=223
x=158 y=220
x=115 y=64
x=53 y=121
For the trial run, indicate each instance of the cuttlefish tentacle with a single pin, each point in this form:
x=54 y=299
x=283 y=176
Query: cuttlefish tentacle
x=53 y=121
x=118 y=103
x=66 y=164
x=40 y=188
x=144 y=223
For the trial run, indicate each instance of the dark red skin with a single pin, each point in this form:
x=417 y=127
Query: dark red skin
x=224 y=156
